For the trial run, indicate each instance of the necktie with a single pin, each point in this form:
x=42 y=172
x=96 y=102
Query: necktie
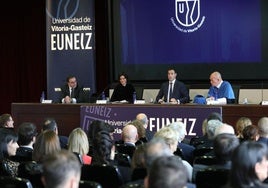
x=170 y=91
x=72 y=93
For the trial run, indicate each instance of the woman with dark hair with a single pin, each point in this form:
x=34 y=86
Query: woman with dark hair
x=104 y=153
x=249 y=166
x=123 y=90
x=8 y=148
x=6 y=121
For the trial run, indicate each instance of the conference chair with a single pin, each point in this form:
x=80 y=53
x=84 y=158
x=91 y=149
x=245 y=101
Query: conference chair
x=139 y=92
x=14 y=182
x=106 y=175
x=126 y=149
x=202 y=151
x=123 y=159
x=236 y=89
x=89 y=184
x=211 y=178
x=138 y=174
x=205 y=160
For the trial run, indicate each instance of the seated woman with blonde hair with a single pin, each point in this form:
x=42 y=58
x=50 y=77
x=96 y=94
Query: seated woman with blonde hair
x=78 y=144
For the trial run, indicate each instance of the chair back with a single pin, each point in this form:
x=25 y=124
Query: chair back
x=205 y=160
x=212 y=178
x=126 y=149
x=123 y=159
x=138 y=174
x=14 y=182
x=202 y=151
x=107 y=175
x=89 y=184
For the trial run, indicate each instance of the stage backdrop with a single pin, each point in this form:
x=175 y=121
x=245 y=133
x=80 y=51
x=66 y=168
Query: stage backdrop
x=70 y=44
x=118 y=116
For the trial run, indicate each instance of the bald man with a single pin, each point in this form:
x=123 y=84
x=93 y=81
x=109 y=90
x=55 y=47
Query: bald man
x=220 y=88
x=130 y=135
x=144 y=119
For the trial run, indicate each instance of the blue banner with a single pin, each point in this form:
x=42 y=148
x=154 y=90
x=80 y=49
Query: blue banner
x=70 y=44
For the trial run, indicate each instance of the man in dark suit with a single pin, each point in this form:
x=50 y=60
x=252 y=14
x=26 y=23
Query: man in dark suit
x=71 y=92
x=173 y=91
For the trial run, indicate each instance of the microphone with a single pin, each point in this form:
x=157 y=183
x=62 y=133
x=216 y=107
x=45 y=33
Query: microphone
x=100 y=96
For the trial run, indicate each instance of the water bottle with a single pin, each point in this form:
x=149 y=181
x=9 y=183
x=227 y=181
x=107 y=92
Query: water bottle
x=42 y=98
x=103 y=96
x=134 y=97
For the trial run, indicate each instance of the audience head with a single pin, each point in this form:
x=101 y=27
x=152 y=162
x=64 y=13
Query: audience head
x=61 y=169
x=6 y=121
x=241 y=124
x=263 y=126
x=215 y=116
x=168 y=172
x=155 y=148
x=97 y=126
x=130 y=133
x=27 y=134
x=224 y=145
x=143 y=118
x=8 y=143
x=249 y=165
x=180 y=128
x=47 y=142
x=139 y=125
x=251 y=132
x=78 y=142
x=170 y=137
x=211 y=128
x=50 y=124
x=102 y=148
x=138 y=158
x=224 y=128
x=215 y=78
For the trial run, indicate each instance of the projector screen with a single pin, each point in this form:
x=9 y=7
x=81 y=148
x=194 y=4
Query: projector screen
x=196 y=37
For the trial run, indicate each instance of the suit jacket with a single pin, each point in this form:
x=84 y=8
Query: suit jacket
x=180 y=92
x=23 y=154
x=78 y=93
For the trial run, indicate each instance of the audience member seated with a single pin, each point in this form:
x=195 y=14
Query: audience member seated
x=263 y=130
x=123 y=90
x=61 y=169
x=130 y=135
x=187 y=150
x=249 y=165
x=204 y=138
x=6 y=121
x=211 y=128
x=78 y=144
x=95 y=127
x=144 y=119
x=104 y=153
x=171 y=139
x=241 y=123
x=223 y=146
x=141 y=131
x=138 y=165
x=8 y=148
x=71 y=92
x=250 y=132
x=51 y=124
x=168 y=172
x=27 y=135
x=47 y=142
